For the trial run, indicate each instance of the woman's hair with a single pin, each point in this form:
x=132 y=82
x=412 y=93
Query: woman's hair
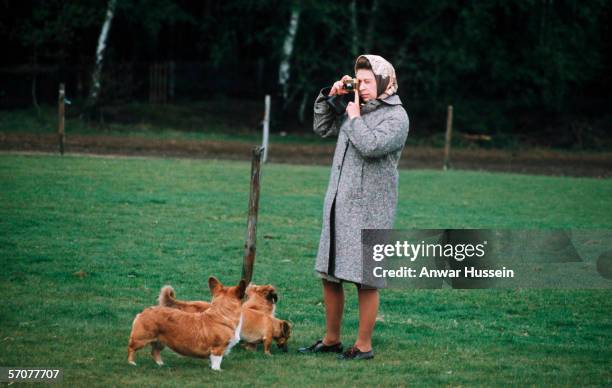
x=363 y=63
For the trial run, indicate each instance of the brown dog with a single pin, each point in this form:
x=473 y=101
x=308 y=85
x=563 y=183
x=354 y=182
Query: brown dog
x=259 y=324
x=211 y=333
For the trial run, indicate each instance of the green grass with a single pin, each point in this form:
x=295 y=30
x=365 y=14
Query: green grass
x=217 y=120
x=187 y=121
x=86 y=243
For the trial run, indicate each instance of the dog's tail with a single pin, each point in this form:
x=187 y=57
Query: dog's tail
x=166 y=296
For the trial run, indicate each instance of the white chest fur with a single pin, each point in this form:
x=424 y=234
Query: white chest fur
x=236 y=337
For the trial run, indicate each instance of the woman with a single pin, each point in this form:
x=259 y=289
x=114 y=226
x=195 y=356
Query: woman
x=362 y=194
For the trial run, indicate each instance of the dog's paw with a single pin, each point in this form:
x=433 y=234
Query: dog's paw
x=215 y=362
x=159 y=363
x=132 y=363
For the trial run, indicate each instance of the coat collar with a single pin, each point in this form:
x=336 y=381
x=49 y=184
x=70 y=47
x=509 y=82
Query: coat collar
x=373 y=104
x=392 y=100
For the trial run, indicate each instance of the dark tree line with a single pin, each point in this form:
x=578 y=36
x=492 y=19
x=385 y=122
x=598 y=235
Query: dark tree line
x=507 y=66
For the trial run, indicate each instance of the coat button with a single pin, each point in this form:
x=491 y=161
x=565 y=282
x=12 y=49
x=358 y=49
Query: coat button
x=339 y=167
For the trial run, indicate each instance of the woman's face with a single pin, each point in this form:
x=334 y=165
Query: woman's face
x=367 y=84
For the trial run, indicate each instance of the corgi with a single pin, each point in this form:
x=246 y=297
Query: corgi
x=259 y=324
x=262 y=298
x=211 y=333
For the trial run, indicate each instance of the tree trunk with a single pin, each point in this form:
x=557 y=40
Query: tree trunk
x=354 y=30
x=95 y=78
x=284 y=68
x=302 y=109
x=369 y=38
x=34 y=78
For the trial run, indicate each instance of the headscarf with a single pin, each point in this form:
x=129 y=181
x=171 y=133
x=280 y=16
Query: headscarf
x=384 y=73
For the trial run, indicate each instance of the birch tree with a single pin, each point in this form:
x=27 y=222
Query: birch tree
x=284 y=68
x=95 y=78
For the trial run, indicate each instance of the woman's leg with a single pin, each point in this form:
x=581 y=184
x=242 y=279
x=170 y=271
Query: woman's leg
x=368 y=308
x=333 y=295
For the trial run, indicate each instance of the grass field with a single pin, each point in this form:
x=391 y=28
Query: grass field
x=188 y=121
x=86 y=243
x=217 y=120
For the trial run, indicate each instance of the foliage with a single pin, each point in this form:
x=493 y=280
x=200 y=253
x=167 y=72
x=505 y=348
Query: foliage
x=545 y=57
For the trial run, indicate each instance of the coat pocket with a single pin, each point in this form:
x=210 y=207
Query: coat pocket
x=358 y=189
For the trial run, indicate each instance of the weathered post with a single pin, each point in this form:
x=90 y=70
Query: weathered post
x=448 y=137
x=266 y=129
x=61 y=118
x=251 y=234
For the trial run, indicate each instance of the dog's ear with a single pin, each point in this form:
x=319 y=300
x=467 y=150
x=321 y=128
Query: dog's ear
x=241 y=288
x=286 y=329
x=214 y=285
x=250 y=289
x=271 y=296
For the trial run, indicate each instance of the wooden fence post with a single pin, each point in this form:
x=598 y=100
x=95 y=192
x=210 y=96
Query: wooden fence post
x=249 y=245
x=61 y=117
x=448 y=137
x=266 y=129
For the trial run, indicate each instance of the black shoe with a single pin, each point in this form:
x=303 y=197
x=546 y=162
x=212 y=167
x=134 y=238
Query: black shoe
x=320 y=347
x=354 y=353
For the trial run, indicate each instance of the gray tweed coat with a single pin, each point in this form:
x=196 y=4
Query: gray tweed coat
x=364 y=178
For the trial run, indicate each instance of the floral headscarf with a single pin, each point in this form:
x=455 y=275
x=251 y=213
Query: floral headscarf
x=386 y=82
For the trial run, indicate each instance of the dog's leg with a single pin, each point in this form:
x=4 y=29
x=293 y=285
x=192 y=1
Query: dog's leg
x=267 y=342
x=131 y=356
x=215 y=361
x=135 y=345
x=156 y=348
x=139 y=338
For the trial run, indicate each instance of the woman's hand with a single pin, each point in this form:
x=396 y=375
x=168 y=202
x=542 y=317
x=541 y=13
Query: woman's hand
x=338 y=87
x=353 y=109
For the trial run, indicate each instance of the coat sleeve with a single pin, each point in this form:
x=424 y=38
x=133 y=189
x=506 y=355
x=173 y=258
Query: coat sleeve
x=388 y=136
x=325 y=123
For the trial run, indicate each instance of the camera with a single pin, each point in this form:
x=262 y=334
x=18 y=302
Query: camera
x=351 y=84
x=339 y=102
